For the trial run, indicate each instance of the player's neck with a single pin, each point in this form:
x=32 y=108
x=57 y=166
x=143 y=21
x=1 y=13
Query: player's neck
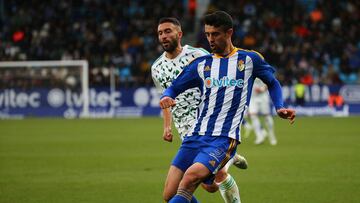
x=229 y=49
x=175 y=53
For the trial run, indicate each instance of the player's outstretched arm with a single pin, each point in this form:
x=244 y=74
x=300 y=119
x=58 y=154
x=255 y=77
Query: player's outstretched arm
x=265 y=72
x=287 y=114
x=276 y=97
x=167 y=135
x=187 y=79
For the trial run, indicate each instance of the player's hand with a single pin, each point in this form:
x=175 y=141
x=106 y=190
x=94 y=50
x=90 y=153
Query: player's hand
x=167 y=136
x=167 y=102
x=287 y=114
x=259 y=90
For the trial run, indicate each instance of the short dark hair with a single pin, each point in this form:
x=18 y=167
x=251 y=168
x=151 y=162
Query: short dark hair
x=169 y=20
x=219 y=19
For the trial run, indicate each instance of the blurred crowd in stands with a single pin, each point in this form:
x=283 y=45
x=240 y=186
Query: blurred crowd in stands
x=307 y=41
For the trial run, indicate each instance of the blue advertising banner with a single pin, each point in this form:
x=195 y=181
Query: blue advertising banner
x=56 y=102
x=137 y=102
x=316 y=100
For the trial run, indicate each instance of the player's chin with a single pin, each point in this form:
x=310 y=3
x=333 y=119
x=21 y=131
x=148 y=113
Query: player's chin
x=216 y=50
x=168 y=48
x=165 y=46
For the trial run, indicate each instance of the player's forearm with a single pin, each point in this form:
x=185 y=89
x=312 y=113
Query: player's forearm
x=167 y=118
x=276 y=93
x=170 y=92
x=187 y=79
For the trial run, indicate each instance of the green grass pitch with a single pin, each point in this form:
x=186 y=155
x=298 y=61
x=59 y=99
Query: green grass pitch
x=317 y=160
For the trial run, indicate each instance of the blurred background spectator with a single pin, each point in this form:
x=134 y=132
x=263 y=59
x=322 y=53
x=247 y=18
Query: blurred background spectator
x=310 y=41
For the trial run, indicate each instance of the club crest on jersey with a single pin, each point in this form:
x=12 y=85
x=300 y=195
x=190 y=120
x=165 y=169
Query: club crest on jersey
x=207 y=68
x=241 y=65
x=212 y=163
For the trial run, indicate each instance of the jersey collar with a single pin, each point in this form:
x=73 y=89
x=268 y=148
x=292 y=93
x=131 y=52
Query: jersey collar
x=229 y=55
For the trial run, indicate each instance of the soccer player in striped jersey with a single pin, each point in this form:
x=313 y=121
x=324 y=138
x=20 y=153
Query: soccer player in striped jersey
x=164 y=70
x=226 y=78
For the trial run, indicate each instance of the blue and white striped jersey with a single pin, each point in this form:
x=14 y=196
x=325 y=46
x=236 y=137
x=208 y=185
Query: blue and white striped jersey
x=226 y=84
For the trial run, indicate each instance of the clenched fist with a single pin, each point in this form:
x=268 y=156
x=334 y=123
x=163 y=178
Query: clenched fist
x=167 y=102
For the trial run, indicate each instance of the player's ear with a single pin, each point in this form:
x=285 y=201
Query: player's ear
x=230 y=32
x=180 y=34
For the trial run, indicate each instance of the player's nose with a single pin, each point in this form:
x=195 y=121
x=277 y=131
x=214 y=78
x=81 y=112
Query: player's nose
x=211 y=38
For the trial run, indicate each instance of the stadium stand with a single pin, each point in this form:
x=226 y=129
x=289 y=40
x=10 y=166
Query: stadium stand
x=314 y=42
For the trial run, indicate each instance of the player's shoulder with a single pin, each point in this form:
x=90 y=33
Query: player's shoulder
x=251 y=53
x=199 y=54
x=198 y=50
x=158 y=61
x=200 y=59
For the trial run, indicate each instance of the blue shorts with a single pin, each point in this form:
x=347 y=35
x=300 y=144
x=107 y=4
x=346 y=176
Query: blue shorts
x=212 y=151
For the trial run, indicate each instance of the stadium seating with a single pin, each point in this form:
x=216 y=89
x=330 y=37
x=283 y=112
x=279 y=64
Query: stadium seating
x=313 y=41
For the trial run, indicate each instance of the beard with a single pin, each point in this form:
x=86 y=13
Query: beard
x=219 y=47
x=170 y=46
x=217 y=50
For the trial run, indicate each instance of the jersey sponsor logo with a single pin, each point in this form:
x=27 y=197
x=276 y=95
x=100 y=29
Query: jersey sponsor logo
x=241 y=65
x=223 y=82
